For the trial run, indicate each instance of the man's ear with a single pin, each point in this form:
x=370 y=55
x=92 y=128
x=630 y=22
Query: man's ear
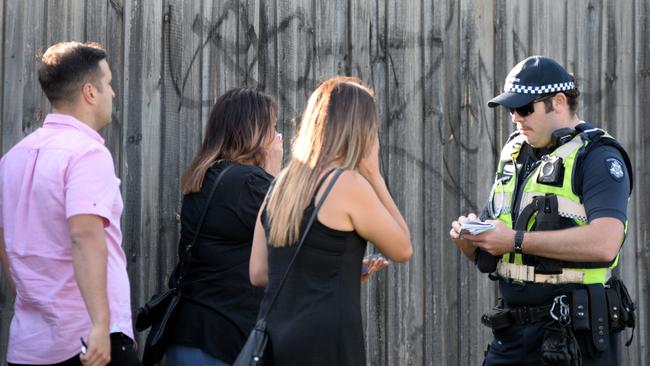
x=561 y=100
x=88 y=93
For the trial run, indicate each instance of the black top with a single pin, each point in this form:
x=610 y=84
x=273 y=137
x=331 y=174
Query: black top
x=316 y=319
x=219 y=305
x=603 y=193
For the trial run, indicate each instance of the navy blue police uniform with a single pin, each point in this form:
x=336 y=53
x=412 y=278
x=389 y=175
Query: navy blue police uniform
x=557 y=320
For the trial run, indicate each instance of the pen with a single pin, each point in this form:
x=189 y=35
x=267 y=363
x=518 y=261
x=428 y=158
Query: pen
x=84 y=346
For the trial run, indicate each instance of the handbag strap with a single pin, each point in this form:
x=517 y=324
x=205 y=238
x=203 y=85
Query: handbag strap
x=188 y=248
x=312 y=218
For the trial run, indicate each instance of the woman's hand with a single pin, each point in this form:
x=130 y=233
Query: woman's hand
x=372 y=265
x=369 y=165
x=274 y=154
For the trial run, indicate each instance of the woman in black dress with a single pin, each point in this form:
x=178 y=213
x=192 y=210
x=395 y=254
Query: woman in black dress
x=218 y=305
x=316 y=319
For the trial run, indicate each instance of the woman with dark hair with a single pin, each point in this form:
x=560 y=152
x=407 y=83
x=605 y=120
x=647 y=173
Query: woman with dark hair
x=316 y=318
x=218 y=304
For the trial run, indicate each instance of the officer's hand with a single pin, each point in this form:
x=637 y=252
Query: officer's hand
x=497 y=242
x=463 y=242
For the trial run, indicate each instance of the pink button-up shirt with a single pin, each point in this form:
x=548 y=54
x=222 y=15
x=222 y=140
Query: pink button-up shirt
x=60 y=170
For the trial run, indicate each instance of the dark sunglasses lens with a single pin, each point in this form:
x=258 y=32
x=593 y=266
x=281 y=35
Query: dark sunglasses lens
x=523 y=111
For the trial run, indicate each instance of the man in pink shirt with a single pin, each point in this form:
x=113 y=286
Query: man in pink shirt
x=60 y=238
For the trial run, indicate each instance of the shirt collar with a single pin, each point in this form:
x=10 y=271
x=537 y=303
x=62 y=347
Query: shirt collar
x=57 y=120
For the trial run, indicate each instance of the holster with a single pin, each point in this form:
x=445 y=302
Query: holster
x=503 y=317
x=499 y=318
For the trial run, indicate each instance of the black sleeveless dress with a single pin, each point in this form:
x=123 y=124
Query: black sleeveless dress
x=316 y=319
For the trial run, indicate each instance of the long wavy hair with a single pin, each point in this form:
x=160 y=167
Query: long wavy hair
x=240 y=128
x=337 y=127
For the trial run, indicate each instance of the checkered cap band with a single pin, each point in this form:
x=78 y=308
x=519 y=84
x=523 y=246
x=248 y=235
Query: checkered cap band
x=540 y=89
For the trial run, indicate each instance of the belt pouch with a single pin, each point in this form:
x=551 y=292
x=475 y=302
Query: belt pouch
x=486 y=262
x=599 y=319
x=616 y=321
x=580 y=309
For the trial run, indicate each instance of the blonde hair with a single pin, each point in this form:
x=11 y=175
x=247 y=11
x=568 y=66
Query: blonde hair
x=338 y=125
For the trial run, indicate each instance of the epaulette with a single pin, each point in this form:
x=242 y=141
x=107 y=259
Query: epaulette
x=597 y=136
x=590 y=133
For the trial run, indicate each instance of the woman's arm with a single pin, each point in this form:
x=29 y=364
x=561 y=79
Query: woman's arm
x=259 y=265
x=375 y=216
x=373 y=211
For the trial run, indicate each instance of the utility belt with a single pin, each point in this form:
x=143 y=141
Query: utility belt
x=590 y=313
x=522 y=272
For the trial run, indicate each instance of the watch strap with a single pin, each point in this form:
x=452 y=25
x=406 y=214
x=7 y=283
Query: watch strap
x=519 y=241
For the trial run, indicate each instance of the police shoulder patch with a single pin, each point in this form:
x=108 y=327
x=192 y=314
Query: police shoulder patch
x=615 y=169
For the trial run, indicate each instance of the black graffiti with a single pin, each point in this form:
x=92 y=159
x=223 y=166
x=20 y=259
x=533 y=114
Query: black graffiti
x=381 y=51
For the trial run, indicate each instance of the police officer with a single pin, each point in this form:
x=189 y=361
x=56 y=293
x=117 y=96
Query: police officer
x=559 y=210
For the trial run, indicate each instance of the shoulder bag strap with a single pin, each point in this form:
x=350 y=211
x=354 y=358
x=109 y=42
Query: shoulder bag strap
x=304 y=235
x=186 y=251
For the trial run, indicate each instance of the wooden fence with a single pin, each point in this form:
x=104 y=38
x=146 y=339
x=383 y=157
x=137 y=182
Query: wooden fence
x=433 y=64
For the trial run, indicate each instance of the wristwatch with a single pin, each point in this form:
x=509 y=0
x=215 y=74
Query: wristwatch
x=519 y=240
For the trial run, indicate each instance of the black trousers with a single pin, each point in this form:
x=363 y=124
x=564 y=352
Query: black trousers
x=522 y=344
x=123 y=352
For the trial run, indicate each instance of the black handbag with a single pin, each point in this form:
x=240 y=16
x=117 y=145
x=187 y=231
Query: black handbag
x=252 y=354
x=160 y=311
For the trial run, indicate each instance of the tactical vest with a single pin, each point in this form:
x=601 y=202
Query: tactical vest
x=542 y=205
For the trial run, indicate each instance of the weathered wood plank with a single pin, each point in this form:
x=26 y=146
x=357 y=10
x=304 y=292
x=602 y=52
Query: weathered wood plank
x=547 y=29
x=33 y=109
x=150 y=241
x=65 y=21
x=138 y=133
x=437 y=213
x=477 y=291
x=376 y=296
x=331 y=39
x=617 y=110
x=294 y=60
x=638 y=271
x=404 y=49
x=585 y=50
x=13 y=78
x=130 y=154
x=181 y=120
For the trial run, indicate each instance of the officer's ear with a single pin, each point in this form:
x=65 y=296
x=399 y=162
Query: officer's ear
x=560 y=101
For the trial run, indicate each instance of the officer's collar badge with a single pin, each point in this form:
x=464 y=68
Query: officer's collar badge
x=615 y=168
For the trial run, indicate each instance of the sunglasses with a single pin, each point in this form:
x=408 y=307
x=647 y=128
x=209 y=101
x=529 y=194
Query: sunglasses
x=529 y=108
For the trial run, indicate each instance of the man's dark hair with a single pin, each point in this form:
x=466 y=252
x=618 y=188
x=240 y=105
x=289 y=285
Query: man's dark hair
x=572 y=99
x=67 y=66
